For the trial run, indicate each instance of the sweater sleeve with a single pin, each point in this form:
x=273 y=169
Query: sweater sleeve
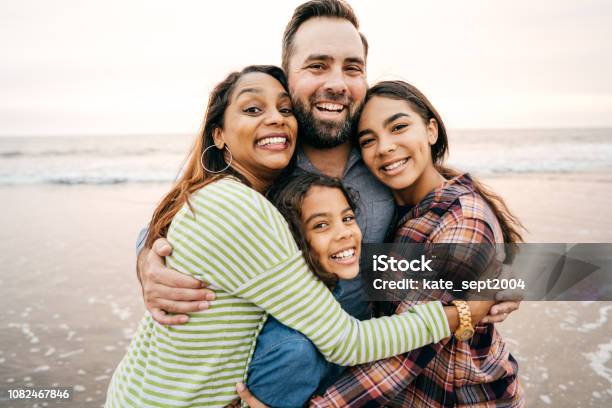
x=236 y=240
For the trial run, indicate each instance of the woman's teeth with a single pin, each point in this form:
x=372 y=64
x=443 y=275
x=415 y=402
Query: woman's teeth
x=330 y=107
x=394 y=165
x=272 y=140
x=347 y=253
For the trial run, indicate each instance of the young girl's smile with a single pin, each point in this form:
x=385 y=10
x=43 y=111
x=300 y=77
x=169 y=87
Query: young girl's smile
x=331 y=231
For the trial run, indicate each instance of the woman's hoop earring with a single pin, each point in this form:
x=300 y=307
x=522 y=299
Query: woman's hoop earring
x=217 y=171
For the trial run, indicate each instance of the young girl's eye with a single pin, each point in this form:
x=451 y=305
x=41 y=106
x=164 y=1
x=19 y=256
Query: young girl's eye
x=252 y=109
x=320 y=225
x=286 y=111
x=348 y=218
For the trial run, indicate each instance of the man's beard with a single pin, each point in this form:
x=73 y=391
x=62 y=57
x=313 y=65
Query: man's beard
x=323 y=134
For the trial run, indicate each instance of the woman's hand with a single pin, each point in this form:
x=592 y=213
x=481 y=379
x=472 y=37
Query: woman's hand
x=167 y=291
x=479 y=309
x=246 y=396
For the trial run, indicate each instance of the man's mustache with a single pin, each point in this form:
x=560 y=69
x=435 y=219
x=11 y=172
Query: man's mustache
x=331 y=97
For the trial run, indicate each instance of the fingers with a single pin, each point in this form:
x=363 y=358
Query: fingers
x=162 y=317
x=509 y=295
x=504 y=307
x=494 y=319
x=247 y=397
x=181 y=307
x=162 y=247
x=500 y=312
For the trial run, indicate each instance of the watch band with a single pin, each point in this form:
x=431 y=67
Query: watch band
x=465 y=330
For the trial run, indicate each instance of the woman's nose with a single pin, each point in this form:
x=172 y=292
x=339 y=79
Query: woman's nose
x=274 y=117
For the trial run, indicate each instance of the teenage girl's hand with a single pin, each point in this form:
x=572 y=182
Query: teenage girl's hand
x=167 y=291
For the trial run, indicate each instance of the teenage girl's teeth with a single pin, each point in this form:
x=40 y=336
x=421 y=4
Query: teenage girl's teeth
x=332 y=107
x=344 y=254
x=395 y=165
x=272 y=140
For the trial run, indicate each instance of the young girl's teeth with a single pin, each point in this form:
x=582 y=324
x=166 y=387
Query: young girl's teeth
x=344 y=254
x=271 y=140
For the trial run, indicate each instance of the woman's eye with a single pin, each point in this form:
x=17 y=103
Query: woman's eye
x=252 y=109
x=399 y=126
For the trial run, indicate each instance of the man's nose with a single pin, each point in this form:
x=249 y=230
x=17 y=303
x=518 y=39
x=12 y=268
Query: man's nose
x=336 y=83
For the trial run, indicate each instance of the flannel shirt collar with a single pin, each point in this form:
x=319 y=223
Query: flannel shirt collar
x=441 y=198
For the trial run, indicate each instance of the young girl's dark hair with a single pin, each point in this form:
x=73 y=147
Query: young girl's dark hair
x=399 y=90
x=288 y=197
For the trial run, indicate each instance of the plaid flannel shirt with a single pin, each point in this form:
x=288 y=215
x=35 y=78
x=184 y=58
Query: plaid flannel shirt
x=477 y=373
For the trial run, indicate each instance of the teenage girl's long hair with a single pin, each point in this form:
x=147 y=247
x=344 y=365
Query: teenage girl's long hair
x=194 y=176
x=399 y=90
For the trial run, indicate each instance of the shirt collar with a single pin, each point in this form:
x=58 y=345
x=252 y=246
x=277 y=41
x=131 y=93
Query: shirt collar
x=304 y=163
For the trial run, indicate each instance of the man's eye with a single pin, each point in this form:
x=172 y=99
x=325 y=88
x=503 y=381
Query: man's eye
x=398 y=127
x=354 y=68
x=252 y=109
x=316 y=67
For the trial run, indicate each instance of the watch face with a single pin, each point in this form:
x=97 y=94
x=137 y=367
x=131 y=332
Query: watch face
x=465 y=334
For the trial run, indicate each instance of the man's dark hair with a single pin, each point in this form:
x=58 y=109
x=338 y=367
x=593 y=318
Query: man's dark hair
x=317 y=8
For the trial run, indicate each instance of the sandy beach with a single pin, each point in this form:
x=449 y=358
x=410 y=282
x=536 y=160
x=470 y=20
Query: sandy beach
x=71 y=300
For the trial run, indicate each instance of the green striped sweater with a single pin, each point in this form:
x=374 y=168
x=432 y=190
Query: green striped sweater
x=238 y=242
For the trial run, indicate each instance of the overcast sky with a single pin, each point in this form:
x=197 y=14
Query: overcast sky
x=125 y=66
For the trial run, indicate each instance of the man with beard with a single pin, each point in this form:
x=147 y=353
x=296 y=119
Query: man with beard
x=324 y=56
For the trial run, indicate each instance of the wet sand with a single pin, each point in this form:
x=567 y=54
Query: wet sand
x=71 y=300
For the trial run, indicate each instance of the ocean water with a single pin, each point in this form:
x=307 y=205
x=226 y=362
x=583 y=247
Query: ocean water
x=158 y=158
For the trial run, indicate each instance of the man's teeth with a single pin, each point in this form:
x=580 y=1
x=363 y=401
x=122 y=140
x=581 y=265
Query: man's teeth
x=394 y=165
x=272 y=140
x=332 y=107
x=348 y=253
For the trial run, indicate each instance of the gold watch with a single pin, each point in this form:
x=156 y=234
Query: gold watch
x=465 y=331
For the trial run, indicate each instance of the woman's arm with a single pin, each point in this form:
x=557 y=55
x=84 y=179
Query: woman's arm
x=239 y=235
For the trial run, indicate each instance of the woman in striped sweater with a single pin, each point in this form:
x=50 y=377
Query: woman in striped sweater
x=224 y=231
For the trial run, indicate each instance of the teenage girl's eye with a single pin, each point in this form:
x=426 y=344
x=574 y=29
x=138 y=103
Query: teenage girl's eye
x=398 y=127
x=365 y=142
x=252 y=110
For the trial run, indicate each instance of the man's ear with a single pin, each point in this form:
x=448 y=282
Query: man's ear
x=432 y=131
x=218 y=138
